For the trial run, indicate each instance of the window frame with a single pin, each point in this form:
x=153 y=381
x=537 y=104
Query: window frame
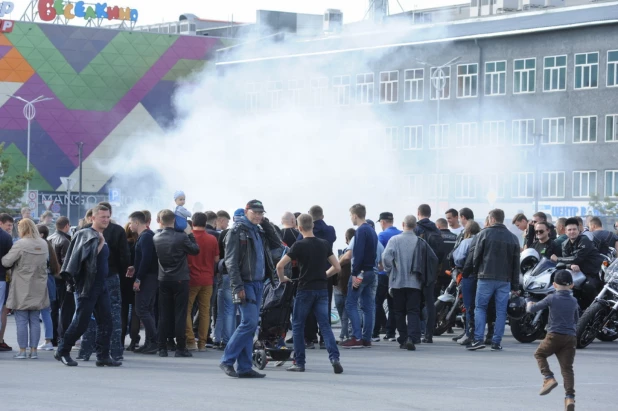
x=615 y=64
x=614 y=128
x=394 y=87
x=528 y=135
x=544 y=134
x=460 y=136
x=497 y=74
x=447 y=85
x=558 y=68
x=438 y=182
x=471 y=185
x=518 y=175
x=549 y=175
x=407 y=138
x=596 y=129
x=615 y=183
x=487 y=125
x=588 y=172
x=391 y=141
x=367 y=88
x=432 y=136
x=408 y=86
x=473 y=90
x=527 y=73
x=337 y=90
x=320 y=92
x=586 y=65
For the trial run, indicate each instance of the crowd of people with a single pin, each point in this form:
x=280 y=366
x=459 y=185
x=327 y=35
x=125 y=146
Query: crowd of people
x=196 y=282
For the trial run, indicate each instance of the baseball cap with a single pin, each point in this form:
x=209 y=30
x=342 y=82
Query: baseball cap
x=563 y=277
x=238 y=214
x=255 y=205
x=371 y=223
x=386 y=216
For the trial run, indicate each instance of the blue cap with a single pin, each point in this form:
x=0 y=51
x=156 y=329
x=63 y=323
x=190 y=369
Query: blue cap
x=238 y=214
x=178 y=193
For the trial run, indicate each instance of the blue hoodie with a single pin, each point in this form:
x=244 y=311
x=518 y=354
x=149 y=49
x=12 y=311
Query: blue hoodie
x=260 y=264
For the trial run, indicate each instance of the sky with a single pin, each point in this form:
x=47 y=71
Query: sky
x=157 y=11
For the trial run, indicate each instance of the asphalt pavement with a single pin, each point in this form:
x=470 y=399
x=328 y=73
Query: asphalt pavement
x=439 y=376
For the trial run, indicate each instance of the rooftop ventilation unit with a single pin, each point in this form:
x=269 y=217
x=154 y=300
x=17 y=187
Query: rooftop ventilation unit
x=333 y=21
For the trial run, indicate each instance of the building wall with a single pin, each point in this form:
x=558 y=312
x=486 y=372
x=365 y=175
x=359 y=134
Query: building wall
x=107 y=86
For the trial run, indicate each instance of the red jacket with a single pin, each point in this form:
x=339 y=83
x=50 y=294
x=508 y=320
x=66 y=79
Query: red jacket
x=202 y=266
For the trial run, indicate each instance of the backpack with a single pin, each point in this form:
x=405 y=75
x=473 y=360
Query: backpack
x=436 y=242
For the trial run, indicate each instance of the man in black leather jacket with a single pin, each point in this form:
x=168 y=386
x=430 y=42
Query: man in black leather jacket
x=86 y=264
x=64 y=306
x=172 y=249
x=249 y=263
x=580 y=254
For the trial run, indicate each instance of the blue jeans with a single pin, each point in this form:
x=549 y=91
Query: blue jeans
x=485 y=289
x=47 y=323
x=315 y=301
x=240 y=346
x=365 y=294
x=343 y=315
x=468 y=290
x=226 y=320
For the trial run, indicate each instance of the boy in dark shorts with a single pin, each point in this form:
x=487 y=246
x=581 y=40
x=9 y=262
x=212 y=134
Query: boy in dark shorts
x=561 y=336
x=313 y=255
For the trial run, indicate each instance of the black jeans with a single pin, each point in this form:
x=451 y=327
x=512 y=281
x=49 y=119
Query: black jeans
x=430 y=309
x=67 y=310
x=128 y=321
x=173 y=301
x=407 y=306
x=97 y=302
x=381 y=294
x=145 y=306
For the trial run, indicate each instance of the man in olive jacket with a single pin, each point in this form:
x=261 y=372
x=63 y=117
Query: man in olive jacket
x=496 y=265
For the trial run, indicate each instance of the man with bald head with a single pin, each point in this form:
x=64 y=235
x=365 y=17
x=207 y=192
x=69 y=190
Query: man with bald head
x=289 y=233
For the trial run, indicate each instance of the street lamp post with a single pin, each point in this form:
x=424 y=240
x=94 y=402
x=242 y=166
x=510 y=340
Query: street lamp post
x=29 y=113
x=438 y=82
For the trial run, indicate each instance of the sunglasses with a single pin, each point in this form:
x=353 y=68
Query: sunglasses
x=539 y=231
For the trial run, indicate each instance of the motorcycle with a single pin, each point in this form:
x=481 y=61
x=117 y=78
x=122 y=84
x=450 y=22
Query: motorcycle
x=536 y=282
x=600 y=320
x=449 y=305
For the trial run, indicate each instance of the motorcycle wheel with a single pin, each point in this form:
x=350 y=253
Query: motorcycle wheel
x=442 y=323
x=523 y=330
x=590 y=323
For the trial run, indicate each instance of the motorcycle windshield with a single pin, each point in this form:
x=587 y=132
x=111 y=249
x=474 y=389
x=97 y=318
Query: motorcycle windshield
x=542 y=266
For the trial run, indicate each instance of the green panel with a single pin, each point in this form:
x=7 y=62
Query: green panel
x=18 y=165
x=129 y=55
x=184 y=68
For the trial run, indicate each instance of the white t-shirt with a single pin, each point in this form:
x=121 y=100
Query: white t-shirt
x=457 y=230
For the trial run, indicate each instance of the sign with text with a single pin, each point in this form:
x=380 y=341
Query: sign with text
x=6 y=26
x=50 y=9
x=6 y=7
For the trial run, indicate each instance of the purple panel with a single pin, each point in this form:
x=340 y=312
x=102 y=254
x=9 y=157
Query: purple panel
x=45 y=155
x=4 y=50
x=158 y=102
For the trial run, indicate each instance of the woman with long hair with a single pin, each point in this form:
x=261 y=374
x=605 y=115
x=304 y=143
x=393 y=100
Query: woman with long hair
x=28 y=295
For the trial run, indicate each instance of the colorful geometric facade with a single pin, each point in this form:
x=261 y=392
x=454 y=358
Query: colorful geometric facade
x=106 y=85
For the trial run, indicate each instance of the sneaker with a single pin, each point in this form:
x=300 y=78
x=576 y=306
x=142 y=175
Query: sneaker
x=132 y=347
x=569 y=404
x=410 y=345
x=290 y=340
x=209 y=343
x=192 y=347
x=46 y=346
x=163 y=353
x=322 y=345
x=375 y=339
x=108 y=362
x=150 y=348
x=296 y=368
x=488 y=340
x=21 y=355
x=82 y=358
x=427 y=340
x=459 y=337
x=496 y=347
x=475 y=345
x=251 y=374
x=183 y=353
x=33 y=355
x=463 y=341
x=5 y=347
x=366 y=344
x=548 y=385
x=389 y=338
x=310 y=345
x=65 y=359
x=352 y=343
x=337 y=367
x=201 y=349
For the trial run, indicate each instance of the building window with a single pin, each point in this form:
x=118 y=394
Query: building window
x=553 y=130
x=524 y=76
x=523 y=132
x=413 y=85
x=584 y=183
x=611 y=183
x=523 y=185
x=467 y=80
x=495 y=78
x=413 y=185
x=391 y=140
x=364 y=88
x=467 y=135
x=295 y=90
x=319 y=91
x=341 y=90
x=552 y=184
x=585 y=129
x=437 y=186
x=275 y=95
x=252 y=96
x=465 y=186
x=586 y=70
x=493 y=133
x=389 y=84
x=443 y=79
x=438 y=136
x=612 y=68
x=413 y=138
x=611 y=128
x=494 y=185
x=554 y=73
